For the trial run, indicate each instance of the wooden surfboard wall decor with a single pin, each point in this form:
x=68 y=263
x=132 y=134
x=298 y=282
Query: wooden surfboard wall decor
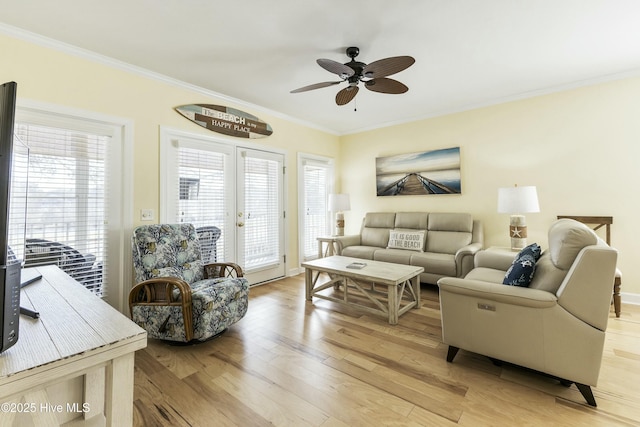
x=225 y=120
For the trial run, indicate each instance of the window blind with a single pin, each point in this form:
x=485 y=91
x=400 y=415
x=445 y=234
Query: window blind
x=315 y=178
x=262 y=211
x=18 y=201
x=66 y=223
x=201 y=198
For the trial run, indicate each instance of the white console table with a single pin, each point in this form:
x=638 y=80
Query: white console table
x=73 y=365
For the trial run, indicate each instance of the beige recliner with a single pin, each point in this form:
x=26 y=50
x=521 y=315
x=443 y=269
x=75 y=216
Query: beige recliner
x=556 y=325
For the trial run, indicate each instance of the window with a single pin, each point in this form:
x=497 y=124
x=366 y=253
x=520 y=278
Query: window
x=201 y=200
x=316 y=177
x=78 y=195
x=262 y=210
x=189 y=188
x=66 y=202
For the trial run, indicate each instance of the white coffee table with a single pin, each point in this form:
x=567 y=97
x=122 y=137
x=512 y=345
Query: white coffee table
x=402 y=282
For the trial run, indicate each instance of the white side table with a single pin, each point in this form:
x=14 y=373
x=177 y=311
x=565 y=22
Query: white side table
x=330 y=249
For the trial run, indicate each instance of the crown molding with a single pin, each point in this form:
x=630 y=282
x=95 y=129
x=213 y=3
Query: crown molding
x=57 y=45
x=117 y=64
x=506 y=99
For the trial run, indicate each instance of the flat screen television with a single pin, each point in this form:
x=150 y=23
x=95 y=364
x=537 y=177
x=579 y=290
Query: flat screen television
x=14 y=158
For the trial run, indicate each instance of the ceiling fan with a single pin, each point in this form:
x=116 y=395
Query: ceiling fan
x=373 y=76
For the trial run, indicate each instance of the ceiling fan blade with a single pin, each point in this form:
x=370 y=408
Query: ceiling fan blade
x=336 y=68
x=386 y=67
x=385 y=85
x=346 y=95
x=314 y=86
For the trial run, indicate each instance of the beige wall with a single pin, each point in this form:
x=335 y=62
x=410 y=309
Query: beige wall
x=579 y=147
x=50 y=76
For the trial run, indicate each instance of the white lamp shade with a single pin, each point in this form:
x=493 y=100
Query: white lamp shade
x=515 y=200
x=339 y=202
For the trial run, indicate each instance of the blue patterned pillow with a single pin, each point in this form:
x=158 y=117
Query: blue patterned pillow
x=521 y=271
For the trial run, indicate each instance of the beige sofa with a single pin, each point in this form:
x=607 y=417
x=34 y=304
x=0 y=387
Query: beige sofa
x=450 y=241
x=556 y=325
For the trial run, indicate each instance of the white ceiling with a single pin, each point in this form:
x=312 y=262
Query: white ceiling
x=468 y=53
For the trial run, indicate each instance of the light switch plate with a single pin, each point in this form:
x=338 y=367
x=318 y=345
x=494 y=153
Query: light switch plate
x=146 y=215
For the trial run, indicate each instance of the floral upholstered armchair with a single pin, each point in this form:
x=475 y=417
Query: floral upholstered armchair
x=177 y=297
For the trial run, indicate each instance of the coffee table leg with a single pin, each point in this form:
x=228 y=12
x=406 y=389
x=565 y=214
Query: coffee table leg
x=392 y=296
x=308 y=283
x=415 y=283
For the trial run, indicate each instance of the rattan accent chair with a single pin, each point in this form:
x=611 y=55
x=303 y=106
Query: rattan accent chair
x=177 y=296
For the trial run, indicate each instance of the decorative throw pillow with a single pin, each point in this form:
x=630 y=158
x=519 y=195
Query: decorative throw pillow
x=410 y=240
x=524 y=265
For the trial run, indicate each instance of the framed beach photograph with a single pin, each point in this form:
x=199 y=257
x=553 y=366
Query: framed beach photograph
x=428 y=172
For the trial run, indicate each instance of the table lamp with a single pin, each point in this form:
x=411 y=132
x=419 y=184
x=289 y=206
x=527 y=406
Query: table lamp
x=517 y=201
x=339 y=203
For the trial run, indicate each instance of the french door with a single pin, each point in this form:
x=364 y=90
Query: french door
x=236 y=191
x=260 y=214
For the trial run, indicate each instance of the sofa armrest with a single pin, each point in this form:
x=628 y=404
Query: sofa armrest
x=345 y=241
x=464 y=258
x=485 y=291
x=498 y=259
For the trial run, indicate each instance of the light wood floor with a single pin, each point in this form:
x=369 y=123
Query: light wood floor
x=292 y=363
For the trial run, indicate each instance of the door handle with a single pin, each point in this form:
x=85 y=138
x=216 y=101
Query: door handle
x=240 y=224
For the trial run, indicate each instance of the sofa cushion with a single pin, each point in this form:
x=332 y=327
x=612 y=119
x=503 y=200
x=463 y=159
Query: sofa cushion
x=448 y=232
x=447 y=242
x=375 y=229
x=364 y=252
x=411 y=220
x=397 y=256
x=374 y=237
x=548 y=277
x=379 y=220
x=486 y=274
x=436 y=263
x=409 y=240
x=450 y=222
x=524 y=265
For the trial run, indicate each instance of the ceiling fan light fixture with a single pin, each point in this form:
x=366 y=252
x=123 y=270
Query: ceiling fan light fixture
x=373 y=75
